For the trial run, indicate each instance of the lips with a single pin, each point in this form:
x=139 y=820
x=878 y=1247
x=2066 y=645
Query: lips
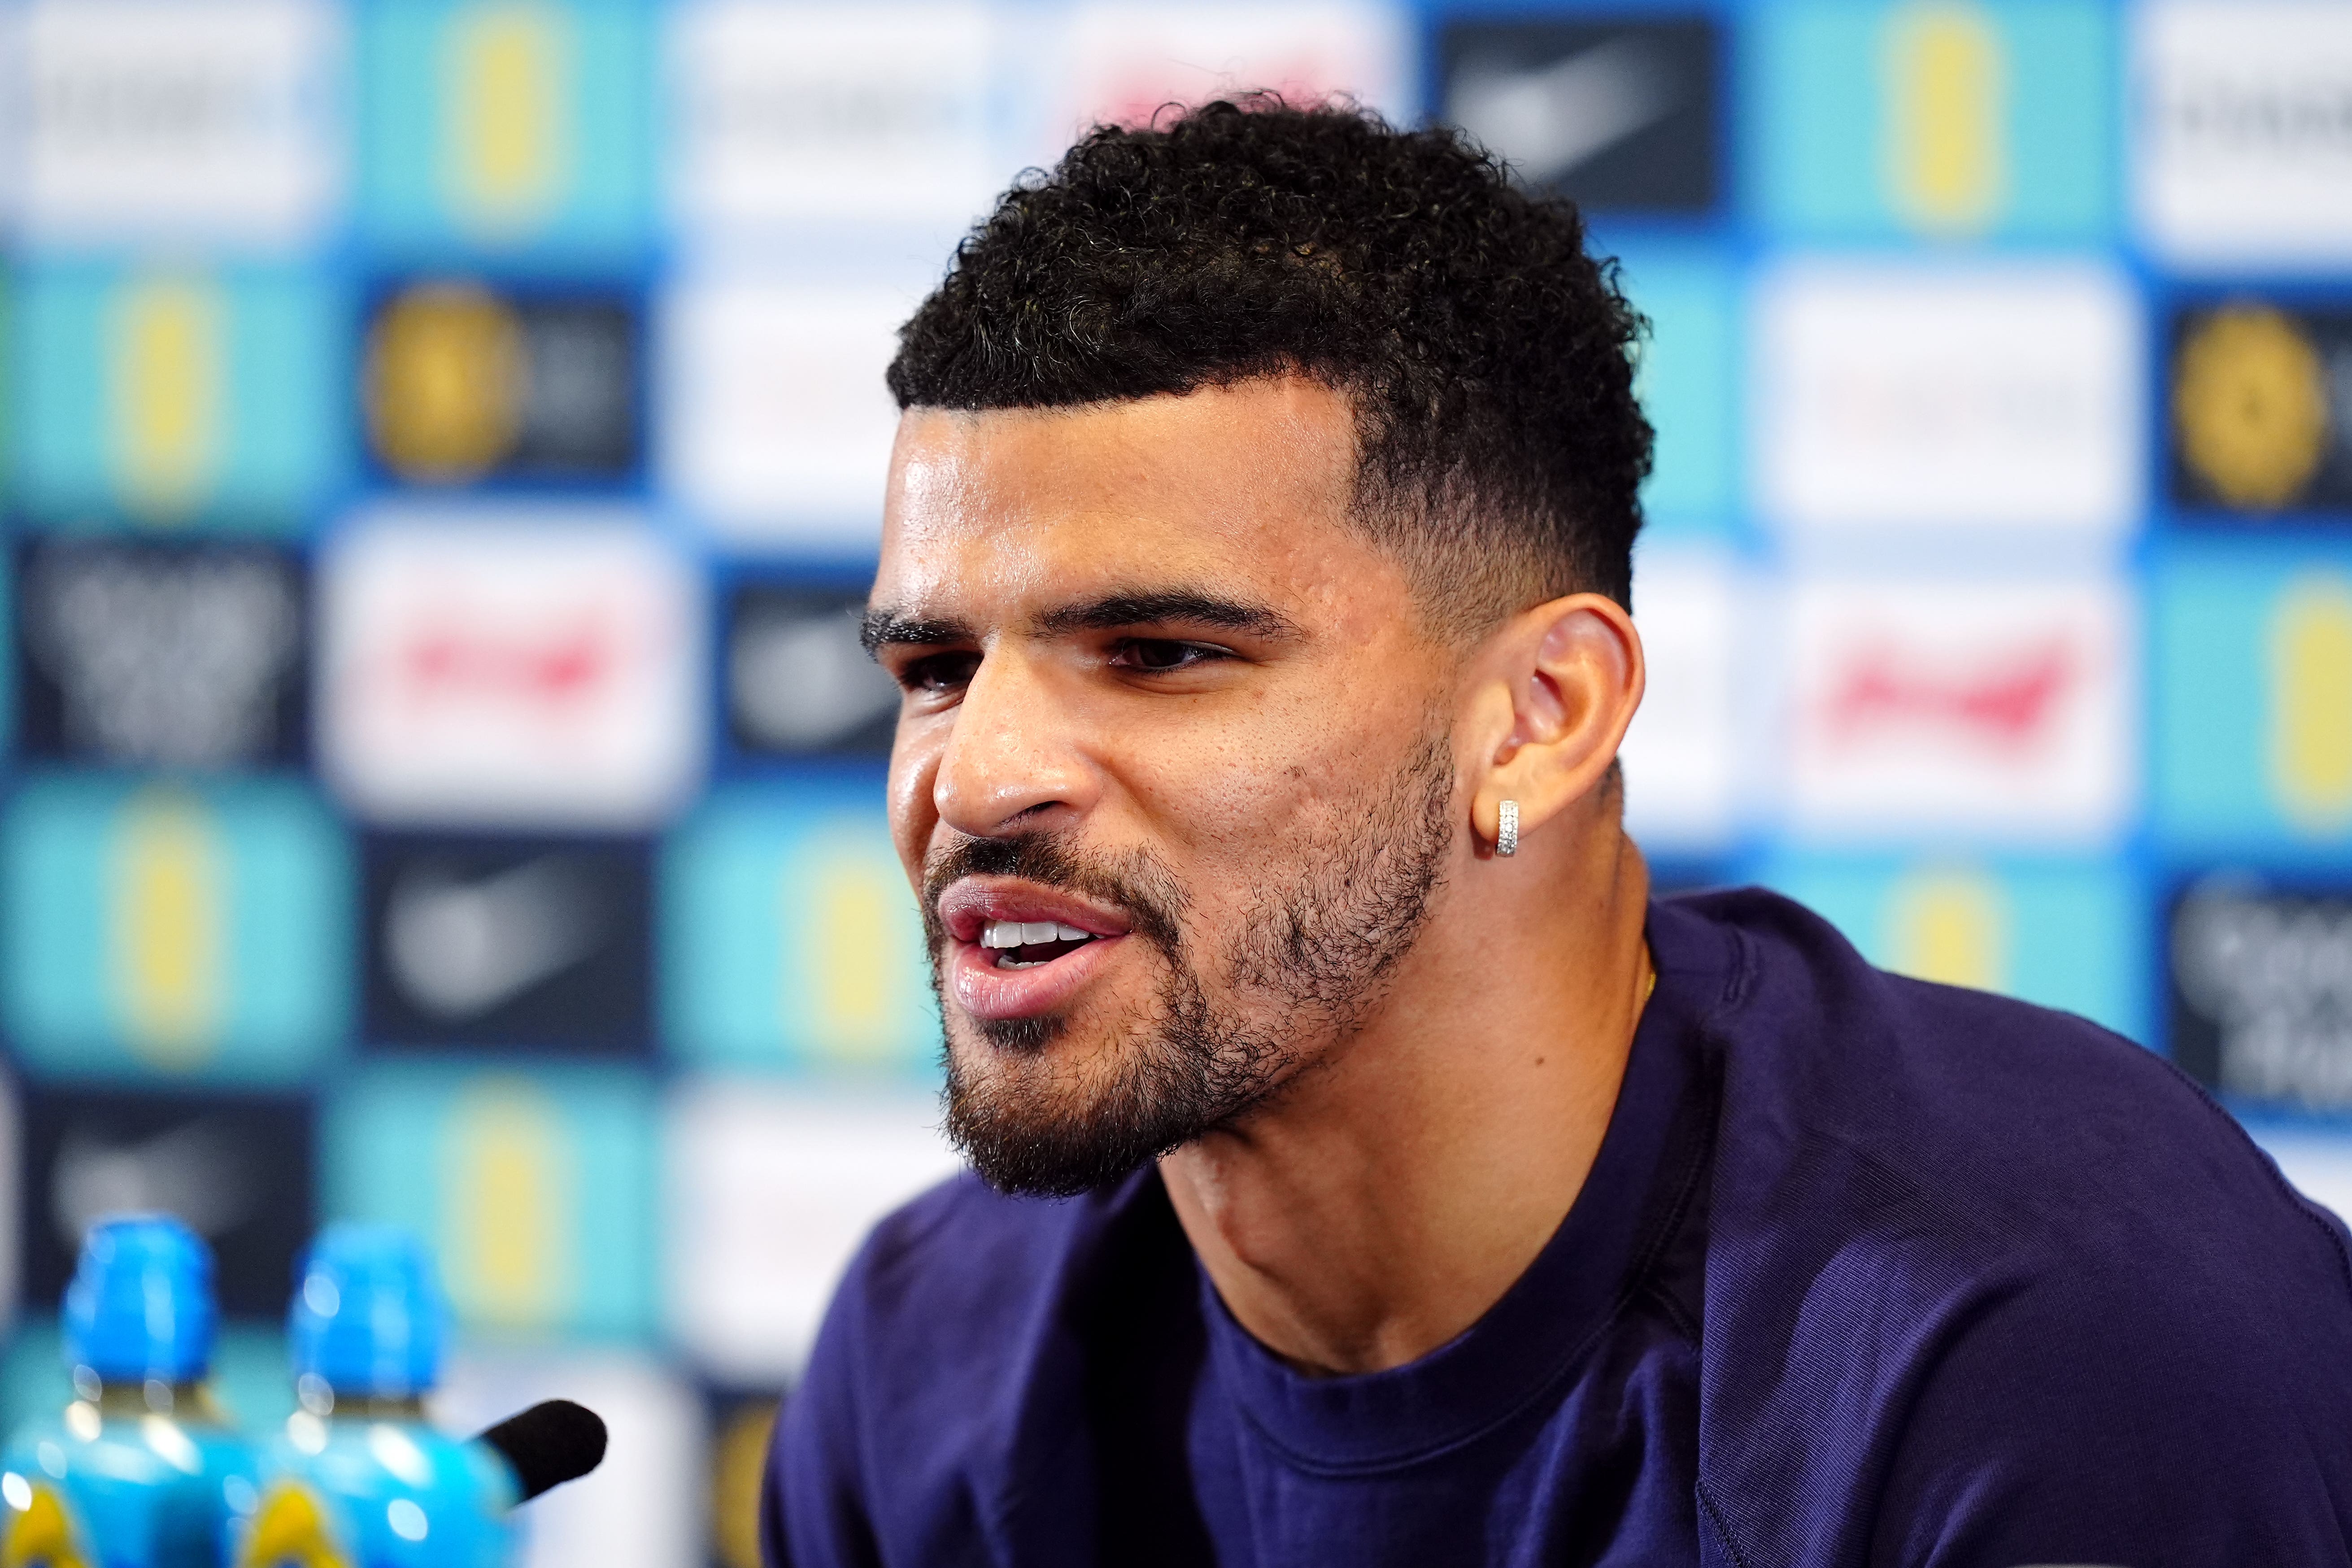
x=1018 y=950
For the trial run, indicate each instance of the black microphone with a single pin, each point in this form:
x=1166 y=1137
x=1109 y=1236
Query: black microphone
x=550 y=1443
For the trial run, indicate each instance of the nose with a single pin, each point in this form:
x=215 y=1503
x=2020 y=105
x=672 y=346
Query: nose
x=1013 y=762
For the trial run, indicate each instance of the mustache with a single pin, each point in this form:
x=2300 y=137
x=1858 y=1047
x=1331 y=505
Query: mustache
x=1136 y=881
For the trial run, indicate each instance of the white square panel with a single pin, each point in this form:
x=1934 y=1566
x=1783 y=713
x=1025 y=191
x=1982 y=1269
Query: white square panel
x=214 y=120
x=771 y=1192
x=786 y=114
x=2241 y=152
x=1983 y=709
x=777 y=423
x=1684 y=782
x=1890 y=397
x=510 y=666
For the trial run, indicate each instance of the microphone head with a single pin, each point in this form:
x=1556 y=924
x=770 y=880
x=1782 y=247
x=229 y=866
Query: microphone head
x=548 y=1444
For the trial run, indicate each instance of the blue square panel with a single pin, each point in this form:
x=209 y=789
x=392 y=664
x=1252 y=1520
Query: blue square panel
x=789 y=938
x=1688 y=381
x=536 y=1190
x=2250 y=670
x=1946 y=119
x=2065 y=933
x=171 y=396
x=508 y=127
x=173 y=930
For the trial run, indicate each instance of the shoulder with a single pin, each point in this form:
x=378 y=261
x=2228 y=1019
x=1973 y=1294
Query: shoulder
x=2027 y=1128
x=2000 y=1252
x=952 y=1322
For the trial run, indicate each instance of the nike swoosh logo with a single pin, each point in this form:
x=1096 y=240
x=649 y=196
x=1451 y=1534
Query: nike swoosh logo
x=1550 y=121
x=199 y=1171
x=460 y=949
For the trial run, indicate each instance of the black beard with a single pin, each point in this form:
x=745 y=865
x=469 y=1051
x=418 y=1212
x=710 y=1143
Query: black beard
x=1318 y=950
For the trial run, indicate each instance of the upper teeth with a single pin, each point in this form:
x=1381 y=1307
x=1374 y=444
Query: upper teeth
x=1021 y=933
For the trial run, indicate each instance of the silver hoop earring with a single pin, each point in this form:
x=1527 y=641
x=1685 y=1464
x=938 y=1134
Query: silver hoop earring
x=1506 y=828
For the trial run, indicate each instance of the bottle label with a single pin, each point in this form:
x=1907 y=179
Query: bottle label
x=43 y=1535
x=290 y=1529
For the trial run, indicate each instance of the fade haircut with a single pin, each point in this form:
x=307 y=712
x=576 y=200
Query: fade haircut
x=1488 y=360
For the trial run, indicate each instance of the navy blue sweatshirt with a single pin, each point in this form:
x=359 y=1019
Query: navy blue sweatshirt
x=1866 y=1271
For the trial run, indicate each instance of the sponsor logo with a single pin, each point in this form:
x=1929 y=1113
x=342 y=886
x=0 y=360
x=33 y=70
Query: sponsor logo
x=2244 y=138
x=507 y=125
x=502 y=941
x=510 y=666
x=158 y=929
x=1129 y=61
x=2262 y=992
x=236 y=1168
x=2262 y=408
x=1611 y=115
x=465 y=384
x=2252 y=674
x=143 y=119
x=777 y=423
x=1942 y=118
x=2062 y=933
x=2001 y=707
x=292 y=1526
x=789 y=938
x=161 y=656
x=533 y=1190
x=865 y=114
x=770 y=1192
x=176 y=395
x=799 y=683
x=1895 y=397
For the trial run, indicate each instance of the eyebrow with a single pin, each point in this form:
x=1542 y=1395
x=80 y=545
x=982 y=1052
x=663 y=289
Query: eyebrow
x=893 y=628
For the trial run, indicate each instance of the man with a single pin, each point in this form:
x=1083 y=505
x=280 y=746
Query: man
x=1367 y=1171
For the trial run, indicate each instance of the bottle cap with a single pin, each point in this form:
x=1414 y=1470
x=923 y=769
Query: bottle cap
x=141 y=1304
x=368 y=1317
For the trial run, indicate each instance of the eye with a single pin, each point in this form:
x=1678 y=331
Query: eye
x=938 y=672
x=1161 y=656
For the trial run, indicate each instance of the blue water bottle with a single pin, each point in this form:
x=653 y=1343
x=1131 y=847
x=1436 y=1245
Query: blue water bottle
x=140 y=1471
x=359 y=1479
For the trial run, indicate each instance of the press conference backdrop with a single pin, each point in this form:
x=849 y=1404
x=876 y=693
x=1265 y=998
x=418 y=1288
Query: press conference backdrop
x=443 y=444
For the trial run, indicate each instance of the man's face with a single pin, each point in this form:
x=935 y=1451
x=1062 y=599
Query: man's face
x=1174 y=776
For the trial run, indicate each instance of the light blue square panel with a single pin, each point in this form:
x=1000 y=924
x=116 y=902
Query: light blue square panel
x=1942 y=118
x=2250 y=675
x=1687 y=380
x=2065 y=933
x=164 y=930
x=172 y=395
x=519 y=127
x=789 y=938
x=536 y=1190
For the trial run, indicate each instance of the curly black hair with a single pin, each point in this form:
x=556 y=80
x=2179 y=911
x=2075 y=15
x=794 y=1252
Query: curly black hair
x=1487 y=358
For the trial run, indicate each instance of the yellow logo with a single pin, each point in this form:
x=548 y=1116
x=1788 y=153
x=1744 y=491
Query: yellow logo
x=168 y=931
x=2249 y=400
x=291 y=1531
x=1946 y=101
x=2311 y=703
x=508 y=1206
x=736 y=1477
x=445 y=382
x=43 y=1535
x=1951 y=926
x=169 y=374
x=509 y=70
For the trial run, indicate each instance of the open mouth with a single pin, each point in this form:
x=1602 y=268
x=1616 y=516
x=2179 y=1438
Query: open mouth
x=1028 y=944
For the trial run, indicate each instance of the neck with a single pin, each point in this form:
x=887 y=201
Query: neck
x=1408 y=1177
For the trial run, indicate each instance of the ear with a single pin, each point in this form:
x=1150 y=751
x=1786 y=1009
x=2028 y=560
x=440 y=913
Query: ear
x=1572 y=673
